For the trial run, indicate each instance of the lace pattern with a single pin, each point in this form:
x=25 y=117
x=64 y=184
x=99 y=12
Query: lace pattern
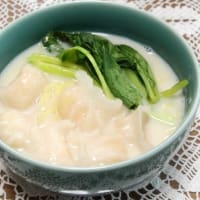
x=180 y=177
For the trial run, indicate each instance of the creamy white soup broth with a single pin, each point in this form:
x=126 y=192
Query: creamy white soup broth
x=70 y=122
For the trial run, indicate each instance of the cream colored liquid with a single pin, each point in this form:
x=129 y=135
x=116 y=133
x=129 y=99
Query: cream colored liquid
x=71 y=122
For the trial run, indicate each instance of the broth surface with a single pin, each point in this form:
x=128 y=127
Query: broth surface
x=70 y=122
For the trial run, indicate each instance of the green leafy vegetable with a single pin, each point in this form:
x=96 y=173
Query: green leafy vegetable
x=118 y=82
x=137 y=62
x=133 y=77
x=118 y=69
x=96 y=45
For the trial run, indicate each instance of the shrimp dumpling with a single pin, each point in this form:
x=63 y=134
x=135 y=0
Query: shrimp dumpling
x=23 y=91
x=14 y=128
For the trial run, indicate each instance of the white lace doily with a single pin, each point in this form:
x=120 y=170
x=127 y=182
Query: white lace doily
x=180 y=179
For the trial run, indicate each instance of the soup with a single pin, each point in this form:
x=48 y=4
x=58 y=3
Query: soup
x=71 y=122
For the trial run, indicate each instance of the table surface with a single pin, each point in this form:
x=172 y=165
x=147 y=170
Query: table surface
x=181 y=15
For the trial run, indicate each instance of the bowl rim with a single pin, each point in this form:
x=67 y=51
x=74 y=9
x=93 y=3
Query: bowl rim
x=186 y=123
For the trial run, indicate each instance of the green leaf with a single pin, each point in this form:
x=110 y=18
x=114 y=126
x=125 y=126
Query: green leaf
x=137 y=62
x=133 y=77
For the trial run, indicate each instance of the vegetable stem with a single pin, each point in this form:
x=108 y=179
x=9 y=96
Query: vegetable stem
x=53 y=68
x=174 y=89
x=94 y=64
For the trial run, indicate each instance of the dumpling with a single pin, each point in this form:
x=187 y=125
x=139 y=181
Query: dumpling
x=68 y=101
x=91 y=149
x=107 y=150
x=55 y=151
x=14 y=128
x=23 y=91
